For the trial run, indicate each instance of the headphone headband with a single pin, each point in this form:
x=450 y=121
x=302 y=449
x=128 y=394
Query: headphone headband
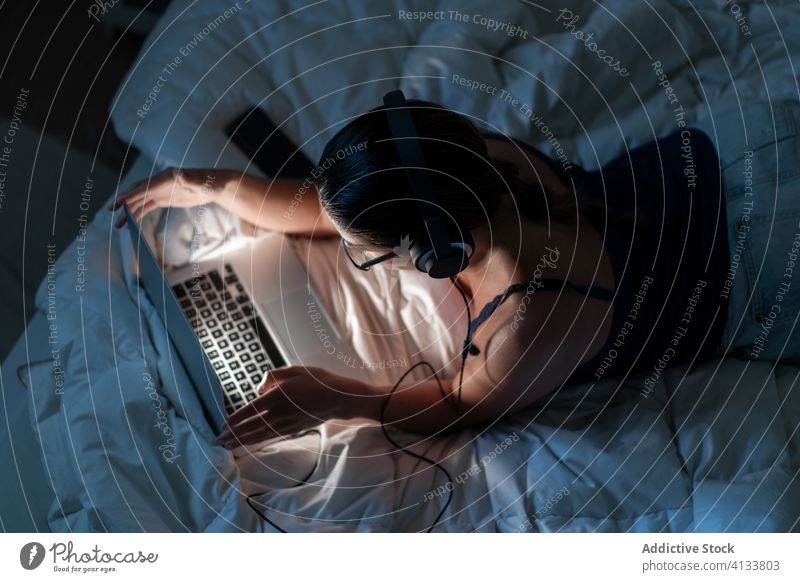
x=445 y=257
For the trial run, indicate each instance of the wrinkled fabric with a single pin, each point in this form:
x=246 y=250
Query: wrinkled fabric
x=714 y=450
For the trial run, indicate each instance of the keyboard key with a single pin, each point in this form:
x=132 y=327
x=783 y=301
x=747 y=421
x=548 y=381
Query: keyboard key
x=240 y=376
x=200 y=303
x=248 y=336
x=185 y=303
x=231 y=279
x=242 y=299
x=205 y=286
x=213 y=355
x=251 y=396
x=222 y=316
x=210 y=295
x=256 y=379
x=239 y=346
x=208 y=344
x=195 y=323
x=216 y=306
x=265 y=367
x=250 y=368
x=180 y=291
x=191 y=313
x=236 y=316
x=211 y=323
x=227 y=354
x=242 y=326
x=234 y=365
x=219 y=364
x=216 y=279
x=239 y=287
x=201 y=333
x=224 y=376
x=228 y=268
x=230 y=386
x=260 y=357
x=247 y=310
x=223 y=344
x=227 y=326
x=225 y=296
x=233 y=336
x=205 y=313
x=245 y=357
x=236 y=397
x=217 y=333
x=255 y=347
x=231 y=306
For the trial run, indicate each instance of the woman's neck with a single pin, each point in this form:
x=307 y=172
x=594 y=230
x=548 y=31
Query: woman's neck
x=502 y=247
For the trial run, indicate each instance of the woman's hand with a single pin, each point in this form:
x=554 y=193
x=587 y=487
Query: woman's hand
x=295 y=399
x=174 y=187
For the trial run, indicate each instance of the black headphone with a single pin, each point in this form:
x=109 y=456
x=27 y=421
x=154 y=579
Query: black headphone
x=446 y=251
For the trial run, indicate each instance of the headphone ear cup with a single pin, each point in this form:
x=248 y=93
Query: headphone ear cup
x=456 y=260
x=420 y=254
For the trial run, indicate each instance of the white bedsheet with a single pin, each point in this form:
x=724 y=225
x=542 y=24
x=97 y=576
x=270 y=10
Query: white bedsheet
x=704 y=452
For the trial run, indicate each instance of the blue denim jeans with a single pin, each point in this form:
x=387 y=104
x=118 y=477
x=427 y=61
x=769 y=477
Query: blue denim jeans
x=759 y=154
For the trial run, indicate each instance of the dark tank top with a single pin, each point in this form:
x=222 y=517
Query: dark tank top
x=669 y=256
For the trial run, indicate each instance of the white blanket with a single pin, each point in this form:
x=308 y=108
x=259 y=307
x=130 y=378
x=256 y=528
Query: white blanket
x=708 y=451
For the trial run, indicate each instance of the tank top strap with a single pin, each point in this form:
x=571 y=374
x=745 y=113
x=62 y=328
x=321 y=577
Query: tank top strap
x=531 y=286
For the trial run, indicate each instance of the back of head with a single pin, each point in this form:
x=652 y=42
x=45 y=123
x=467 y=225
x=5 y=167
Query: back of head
x=364 y=189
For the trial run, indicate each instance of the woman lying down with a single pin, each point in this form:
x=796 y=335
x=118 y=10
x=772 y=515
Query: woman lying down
x=643 y=266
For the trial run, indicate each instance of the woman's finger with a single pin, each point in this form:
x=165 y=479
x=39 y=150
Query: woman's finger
x=136 y=191
x=145 y=209
x=276 y=376
x=253 y=423
x=282 y=427
x=252 y=408
x=130 y=201
x=273 y=402
x=142 y=187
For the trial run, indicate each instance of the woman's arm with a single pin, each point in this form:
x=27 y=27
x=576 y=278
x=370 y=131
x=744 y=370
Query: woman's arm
x=514 y=370
x=290 y=206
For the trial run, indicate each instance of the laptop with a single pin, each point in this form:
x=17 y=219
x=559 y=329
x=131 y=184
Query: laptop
x=233 y=318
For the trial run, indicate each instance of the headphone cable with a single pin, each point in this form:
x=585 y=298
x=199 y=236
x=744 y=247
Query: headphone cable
x=403 y=449
x=467 y=344
x=388 y=437
x=303 y=481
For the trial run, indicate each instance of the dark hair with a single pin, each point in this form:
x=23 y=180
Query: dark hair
x=364 y=189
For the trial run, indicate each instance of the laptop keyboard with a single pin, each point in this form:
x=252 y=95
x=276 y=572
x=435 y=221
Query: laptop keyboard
x=233 y=336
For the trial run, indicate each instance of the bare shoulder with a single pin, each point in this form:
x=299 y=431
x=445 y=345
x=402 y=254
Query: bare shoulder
x=523 y=359
x=539 y=339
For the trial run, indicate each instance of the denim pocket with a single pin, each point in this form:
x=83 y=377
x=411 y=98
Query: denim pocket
x=757 y=127
x=772 y=259
x=761 y=181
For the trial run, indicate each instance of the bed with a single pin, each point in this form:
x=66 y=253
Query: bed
x=716 y=449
